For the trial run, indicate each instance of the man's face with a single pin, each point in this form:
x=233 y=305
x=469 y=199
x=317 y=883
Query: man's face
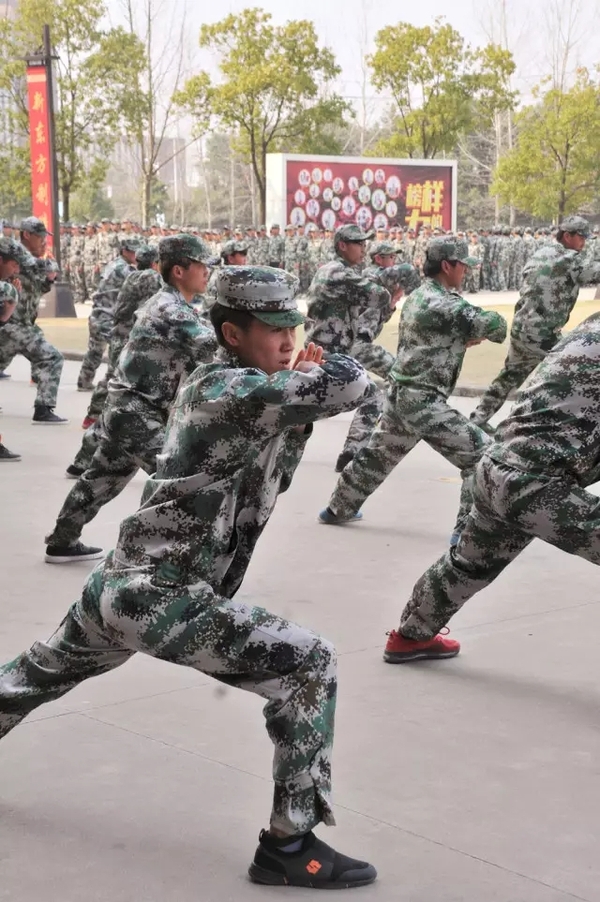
x=454 y=272
x=129 y=256
x=268 y=348
x=574 y=241
x=238 y=259
x=7 y=231
x=385 y=260
x=353 y=252
x=274 y=232
x=194 y=279
x=35 y=244
x=9 y=269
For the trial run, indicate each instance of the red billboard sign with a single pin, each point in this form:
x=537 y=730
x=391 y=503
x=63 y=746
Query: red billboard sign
x=375 y=195
x=39 y=142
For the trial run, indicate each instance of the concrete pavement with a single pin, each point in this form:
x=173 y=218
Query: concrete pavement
x=470 y=780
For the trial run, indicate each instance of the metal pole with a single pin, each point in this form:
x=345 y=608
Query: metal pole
x=53 y=166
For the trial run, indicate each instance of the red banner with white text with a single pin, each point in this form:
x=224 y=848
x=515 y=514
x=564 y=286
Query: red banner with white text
x=39 y=141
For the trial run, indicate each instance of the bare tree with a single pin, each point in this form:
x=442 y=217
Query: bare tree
x=152 y=112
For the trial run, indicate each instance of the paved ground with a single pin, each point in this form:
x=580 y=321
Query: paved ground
x=471 y=780
x=482 y=363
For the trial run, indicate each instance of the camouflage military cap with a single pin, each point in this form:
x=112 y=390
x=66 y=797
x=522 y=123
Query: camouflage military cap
x=262 y=228
x=12 y=250
x=8 y=292
x=351 y=232
x=290 y=228
x=576 y=225
x=234 y=247
x=145 y=256
x=450 y=248
x=382 y=249
x=132 y=243
x=275 y=225
x=267 y=293
x=5 y=224
x=180 y=248
x=34 y=225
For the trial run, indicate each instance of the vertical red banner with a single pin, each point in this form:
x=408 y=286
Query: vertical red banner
x=39 y=142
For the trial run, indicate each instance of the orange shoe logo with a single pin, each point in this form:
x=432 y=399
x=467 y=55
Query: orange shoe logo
x=313 y=867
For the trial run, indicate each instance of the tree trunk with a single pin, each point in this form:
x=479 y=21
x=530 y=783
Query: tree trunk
x=66 y=196
x=231 y=189
x=146 y=199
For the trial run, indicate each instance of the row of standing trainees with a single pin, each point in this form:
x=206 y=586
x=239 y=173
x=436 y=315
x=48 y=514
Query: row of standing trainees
x=236 y=432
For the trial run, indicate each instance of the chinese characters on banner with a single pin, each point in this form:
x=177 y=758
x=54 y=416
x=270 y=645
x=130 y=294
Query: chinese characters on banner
x=374 y=195
x=39 y=140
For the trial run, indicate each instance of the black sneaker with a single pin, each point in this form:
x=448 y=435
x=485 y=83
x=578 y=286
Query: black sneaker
x=85 y=386
x=74 y=472
x=45 y=416
x=4 y=375
x=56 y=554
x=315 y=865
x=343 y=460
x=5 y=454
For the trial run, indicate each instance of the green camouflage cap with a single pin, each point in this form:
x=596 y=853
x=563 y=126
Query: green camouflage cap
x=13 y=250
x=403 y=275
x=34 y=225
x=351 y=232
x=132 y=243
x=576 y=224
x=8 y=292
x=234 y=247
x=450 y=248
x=383 y=249
x=146 y=255
x=267 y=293
x=180 y=248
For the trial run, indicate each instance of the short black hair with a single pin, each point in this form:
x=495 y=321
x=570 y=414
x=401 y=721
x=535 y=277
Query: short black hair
x=220 y=314
x=166 y=268
x=434 y=267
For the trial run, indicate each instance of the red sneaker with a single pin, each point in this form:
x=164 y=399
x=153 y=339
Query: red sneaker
x=398 y=649
x=89 y=421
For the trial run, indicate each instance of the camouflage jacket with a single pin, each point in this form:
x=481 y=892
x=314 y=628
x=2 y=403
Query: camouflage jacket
x=111 y=281
x=34 y=283
x=229 y=451
x=261 y=253
x=105 y=247
x=166 y=344
x=346 y=312
x=90 y=251
x=551 y=282
x=436 y=325
x=554 y=425
x=276 y=249
x=139 y=286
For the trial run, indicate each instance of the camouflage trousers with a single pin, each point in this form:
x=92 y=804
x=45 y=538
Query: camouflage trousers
x=46 y=362
x=100 y=324
x=123 y=441
x=100 y=393
x=78 y=284
x=364 y=420
x=510 y=509
x=409 y=417
x=121 y=612
x=91 y=276
x=520 y=361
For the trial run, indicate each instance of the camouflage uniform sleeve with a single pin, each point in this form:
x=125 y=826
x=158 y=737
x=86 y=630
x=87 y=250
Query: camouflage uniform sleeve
x=477 y=323
x=292 y=398
x=587 y=271
x=197 y=337
x=372 y=356
x=291 y=455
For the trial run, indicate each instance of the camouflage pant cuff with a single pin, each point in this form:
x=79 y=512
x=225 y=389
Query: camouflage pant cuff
x=413 y=627
x=63 y=535
x=300 y=804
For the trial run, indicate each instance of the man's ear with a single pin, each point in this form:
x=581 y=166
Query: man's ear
x=231 y=334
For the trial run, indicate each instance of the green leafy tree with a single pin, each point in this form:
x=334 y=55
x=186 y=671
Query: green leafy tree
x=90 y=202
x=93 y=68
x=441 y=87
x=274 y=94
x=554 y=167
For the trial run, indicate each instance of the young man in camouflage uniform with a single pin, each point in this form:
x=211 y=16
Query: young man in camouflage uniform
x=100 y=321
x=436 y=327
x=9 y=298
x=166 y=344
x=345 y=310
x=276 y=247
x=138 y=287
x=235 y=437
x=551 y=282
x=290 y=256
x=262 y=247
x=530 y=483
x=21 y=335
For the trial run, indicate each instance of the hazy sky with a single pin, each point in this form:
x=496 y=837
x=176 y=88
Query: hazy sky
x=348 y=27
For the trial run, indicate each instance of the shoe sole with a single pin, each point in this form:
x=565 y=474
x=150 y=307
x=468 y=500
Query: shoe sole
x=339 y=522
x=91 y=388
x=396 y=657
x=270 y=878
x=42 y=423
x=73 y=476
x=54 y=559
x=9 y=460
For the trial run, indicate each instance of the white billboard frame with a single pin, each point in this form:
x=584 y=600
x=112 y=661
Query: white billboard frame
x=276 y=178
